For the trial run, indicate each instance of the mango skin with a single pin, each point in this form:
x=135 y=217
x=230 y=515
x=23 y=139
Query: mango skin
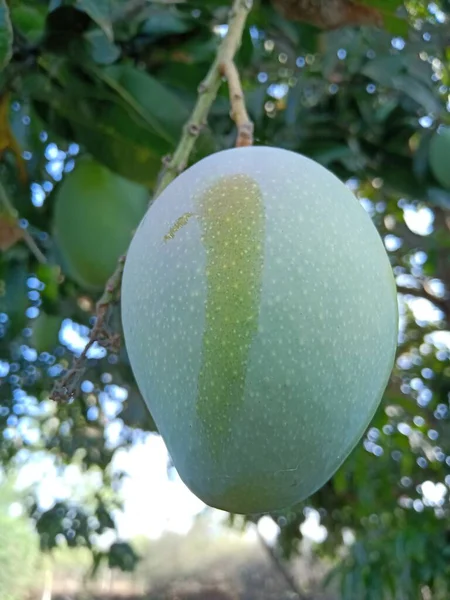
x=96 y=213
x=439 y=157
x=260 y=317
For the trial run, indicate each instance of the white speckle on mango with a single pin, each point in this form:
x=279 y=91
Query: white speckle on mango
x=262 y=330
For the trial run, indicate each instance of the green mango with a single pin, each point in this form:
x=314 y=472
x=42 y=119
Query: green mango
x=439 y=157
x=260 y=318
x=96 y=213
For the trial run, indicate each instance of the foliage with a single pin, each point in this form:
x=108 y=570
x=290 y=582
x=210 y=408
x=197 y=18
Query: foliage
x=18 y=549
x=102 y=79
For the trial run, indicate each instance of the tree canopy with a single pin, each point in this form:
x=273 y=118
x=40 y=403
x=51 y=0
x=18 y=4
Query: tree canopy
x=115 y=81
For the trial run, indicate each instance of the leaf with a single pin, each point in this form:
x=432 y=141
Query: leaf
x=388 y=10
x=7 y=138
x=420 y=157
x=390 y=71
x=103 y=122
x=10 y=232
x=13 y=294
x=100 y=12
x=149 y=98
x=418 y=92
x=383 y=69
x=121 y=555
x=50 y=276
x=6 y=35
x=162 y=23
x=45 y=332
x=102 y=50
x=395 y=25
x=29 y=20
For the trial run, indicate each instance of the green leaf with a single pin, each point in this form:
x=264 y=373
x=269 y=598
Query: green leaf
x=162 y=23
x=439 y=197
x=103 y=122
x=100 y=12
x=6 y=35
x=54 y=4
x=102 y=50
x=390 y=71
x=418 y=92
x=161 y=108
x=29 y=20
x=389 y=9
x=383 y=69
x=13 y=295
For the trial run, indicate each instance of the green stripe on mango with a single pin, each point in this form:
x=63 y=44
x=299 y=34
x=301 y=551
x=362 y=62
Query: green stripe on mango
x=231 y=215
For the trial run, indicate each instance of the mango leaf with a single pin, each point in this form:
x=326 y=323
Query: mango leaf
x=54 y=4
x=29 y=20
x=421 y=154
x=102 y=121
x=384 y=68
x=161 y=108
x=389 y=11
x=162 y=23
x=418 y=92
x=390 y=71
x=6 y=35
x=122 y=145
x=13 y=295
x=100 y=12
x=10 y=232
x=102 y=50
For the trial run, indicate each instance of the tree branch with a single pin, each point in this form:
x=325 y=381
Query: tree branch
x=207 y=93
x=441 y=303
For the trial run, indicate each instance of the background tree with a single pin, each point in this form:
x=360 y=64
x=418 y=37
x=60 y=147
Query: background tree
x=362 y=90
x=18 y=547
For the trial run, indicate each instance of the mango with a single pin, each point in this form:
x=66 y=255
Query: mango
x=439 y=157
x=260 y=317
x=96 y=213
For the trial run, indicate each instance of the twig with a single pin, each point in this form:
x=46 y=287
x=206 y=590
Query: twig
x=173 y=166
x=441 y=303
x=26 y=236
x=65 y=388
x=239 y=112
x=207 y=93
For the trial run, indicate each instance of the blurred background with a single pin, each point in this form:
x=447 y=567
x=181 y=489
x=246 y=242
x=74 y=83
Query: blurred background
x=90 y=505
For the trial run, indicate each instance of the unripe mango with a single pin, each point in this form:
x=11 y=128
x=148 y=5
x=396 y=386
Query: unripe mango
x=439 y=156
x=96 y=212
x=260 y=318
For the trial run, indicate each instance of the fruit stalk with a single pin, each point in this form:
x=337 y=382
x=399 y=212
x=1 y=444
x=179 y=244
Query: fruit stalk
x=207 y=92
x=238 y=109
